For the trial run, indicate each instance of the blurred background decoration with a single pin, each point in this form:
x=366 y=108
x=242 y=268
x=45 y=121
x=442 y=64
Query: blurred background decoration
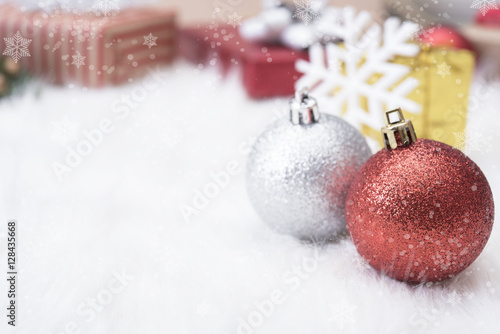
x=133 y=154
x=104 y=44
x=268 y=47
x=10 y=75
x=97 y=43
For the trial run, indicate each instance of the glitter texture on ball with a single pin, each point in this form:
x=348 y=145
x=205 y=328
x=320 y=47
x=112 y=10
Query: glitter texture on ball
x=421 y=212
x=298 y=174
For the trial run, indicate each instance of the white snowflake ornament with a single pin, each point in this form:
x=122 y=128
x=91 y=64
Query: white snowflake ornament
x=367 y=52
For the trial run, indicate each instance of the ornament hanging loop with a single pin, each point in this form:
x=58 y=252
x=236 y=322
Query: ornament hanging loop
x=303 y=108
x=399 y=131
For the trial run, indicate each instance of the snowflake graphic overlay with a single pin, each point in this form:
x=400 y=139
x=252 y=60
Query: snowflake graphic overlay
x=361 y=262
x=106 y=6
x=367 y=53
x=454 y=298
x=204 y=309
x=78 y=59
x=443 y=69
x=343 y=314
x=234 y=20
x=471 y=141
x=307 y=10
x=484 y=5
x=17 y=47
x=64 y=131
x=150 y=40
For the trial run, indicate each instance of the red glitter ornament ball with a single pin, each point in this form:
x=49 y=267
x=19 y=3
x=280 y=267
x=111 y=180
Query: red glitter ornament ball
x=490 y=18
x=420 y=210
x=445 y=37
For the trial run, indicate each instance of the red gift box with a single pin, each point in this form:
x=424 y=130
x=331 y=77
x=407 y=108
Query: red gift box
x=267 y=70
x=111 y=49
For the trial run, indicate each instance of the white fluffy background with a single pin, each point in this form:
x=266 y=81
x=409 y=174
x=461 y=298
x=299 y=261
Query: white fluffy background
x=119 y=211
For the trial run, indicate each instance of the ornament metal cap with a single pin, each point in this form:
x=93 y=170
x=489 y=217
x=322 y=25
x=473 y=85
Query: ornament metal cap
x=399 y=131
x=303 y=108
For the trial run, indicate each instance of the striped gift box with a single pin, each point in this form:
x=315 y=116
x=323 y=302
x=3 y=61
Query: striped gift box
x=113 y=50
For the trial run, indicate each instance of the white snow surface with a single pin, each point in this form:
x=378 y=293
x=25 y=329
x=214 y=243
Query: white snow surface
x=118 y=214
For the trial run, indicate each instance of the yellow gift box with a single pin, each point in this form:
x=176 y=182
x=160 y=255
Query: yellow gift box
x=445 y=76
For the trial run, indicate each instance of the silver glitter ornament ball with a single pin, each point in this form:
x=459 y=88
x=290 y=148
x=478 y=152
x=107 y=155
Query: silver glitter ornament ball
x=300 y=169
